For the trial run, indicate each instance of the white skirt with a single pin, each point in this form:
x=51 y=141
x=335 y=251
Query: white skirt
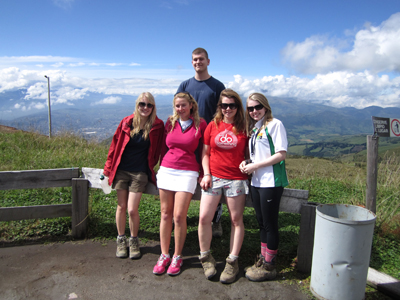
x=177 y=180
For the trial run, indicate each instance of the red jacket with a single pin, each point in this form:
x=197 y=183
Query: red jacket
x=121 y=138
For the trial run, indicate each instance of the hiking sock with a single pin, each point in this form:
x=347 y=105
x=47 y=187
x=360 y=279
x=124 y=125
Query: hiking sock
x=263 y=248
x=233 y=257
x=205 y=253
x=270 y=255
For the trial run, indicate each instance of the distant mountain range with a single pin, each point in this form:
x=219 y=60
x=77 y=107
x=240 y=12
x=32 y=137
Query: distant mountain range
x=304 y=121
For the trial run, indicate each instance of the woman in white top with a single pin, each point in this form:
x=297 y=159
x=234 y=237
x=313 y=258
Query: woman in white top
x=267 y=146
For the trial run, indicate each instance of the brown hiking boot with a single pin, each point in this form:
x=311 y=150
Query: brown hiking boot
x=217 y=229
x=208 y=263
x=259 y=261
x=261 y=271
x=134 y=250
x=230 y=271
x=122 y=246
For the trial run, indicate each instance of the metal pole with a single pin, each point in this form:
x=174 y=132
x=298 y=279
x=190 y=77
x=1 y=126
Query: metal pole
x=372 y=172
x=48 y=103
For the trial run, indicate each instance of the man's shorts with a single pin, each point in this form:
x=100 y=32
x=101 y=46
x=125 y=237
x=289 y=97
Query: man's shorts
x=230 y=188
x=135 y=182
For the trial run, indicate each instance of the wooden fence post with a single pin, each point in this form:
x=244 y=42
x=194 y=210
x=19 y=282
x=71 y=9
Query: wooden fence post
x=372 y=172
x=80 y=207
x=306 y=237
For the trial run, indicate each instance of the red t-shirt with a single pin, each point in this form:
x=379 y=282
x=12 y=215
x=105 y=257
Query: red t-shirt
x=227 y=151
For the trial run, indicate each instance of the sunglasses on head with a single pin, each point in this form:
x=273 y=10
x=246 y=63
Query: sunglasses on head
x=257 y=107
x=230 y=105
x=143 y=105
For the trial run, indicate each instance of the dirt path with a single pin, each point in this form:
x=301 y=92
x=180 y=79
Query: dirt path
x=89 y=270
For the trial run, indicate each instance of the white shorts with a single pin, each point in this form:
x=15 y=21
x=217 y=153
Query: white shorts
x=177 y=180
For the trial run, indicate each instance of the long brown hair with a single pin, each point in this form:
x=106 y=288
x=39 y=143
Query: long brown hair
x=194 y=111
x=150 y=120
x=238 y=121
x=268 y=112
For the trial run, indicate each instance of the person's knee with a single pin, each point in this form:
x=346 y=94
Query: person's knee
x=166 y=215
x=237 y=221
x=122 y=207
x=205 y=220
x=133 y=213
x=180 y=219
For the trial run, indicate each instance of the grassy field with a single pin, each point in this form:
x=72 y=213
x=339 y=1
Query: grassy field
x=328 y=182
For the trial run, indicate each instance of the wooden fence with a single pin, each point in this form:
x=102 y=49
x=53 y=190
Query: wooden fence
x=77 y=210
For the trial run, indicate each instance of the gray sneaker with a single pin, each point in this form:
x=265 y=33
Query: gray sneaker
x=217 y=229
x=261 y=271
x=122 y=246
x=134 y=250
x=209 y=264
x=230 y=271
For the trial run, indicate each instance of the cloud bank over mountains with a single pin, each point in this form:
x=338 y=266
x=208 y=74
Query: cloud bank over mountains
x=359 y=71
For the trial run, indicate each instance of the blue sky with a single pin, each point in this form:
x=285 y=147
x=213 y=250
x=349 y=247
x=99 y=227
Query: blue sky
x=342 y=53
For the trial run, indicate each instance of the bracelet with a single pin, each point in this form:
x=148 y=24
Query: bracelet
x=206 y=175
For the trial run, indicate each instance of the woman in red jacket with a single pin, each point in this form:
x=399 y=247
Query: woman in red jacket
x=133 y=154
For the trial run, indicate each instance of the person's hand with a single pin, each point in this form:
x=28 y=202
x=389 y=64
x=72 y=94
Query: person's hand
x=249 y=168
x=242 y=165
x=205 y=183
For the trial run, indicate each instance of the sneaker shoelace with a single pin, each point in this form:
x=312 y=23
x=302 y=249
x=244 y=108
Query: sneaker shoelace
x=161 y=260
x=175 y=260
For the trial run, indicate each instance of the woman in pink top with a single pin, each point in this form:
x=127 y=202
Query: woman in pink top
x=177 y=177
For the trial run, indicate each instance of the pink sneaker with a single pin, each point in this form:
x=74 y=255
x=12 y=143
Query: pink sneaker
x=175 y=267
x=161 y=264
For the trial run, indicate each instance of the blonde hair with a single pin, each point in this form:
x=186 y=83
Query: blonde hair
x=150 y=120
x=238 y=122
x=194 y=111
x=268 y=112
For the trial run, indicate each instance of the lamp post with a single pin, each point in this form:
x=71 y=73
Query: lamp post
x=48 y=102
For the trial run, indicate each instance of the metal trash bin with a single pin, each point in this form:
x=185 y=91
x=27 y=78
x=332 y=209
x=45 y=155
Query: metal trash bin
x=342 y=250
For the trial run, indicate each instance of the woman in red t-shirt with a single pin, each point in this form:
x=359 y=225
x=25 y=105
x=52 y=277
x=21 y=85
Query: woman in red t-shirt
x=224 y=149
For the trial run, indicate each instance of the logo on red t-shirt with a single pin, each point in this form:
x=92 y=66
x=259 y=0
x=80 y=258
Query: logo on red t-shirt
x=226 y=140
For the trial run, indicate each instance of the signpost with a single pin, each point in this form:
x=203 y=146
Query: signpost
x=383 y=127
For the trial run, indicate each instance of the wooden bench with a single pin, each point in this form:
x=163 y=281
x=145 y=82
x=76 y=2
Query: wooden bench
x=77 y=210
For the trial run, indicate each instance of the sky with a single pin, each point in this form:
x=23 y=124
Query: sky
x=339 y=53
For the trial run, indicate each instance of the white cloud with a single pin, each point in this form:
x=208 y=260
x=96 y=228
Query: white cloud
x=336 y=88
x=57 y=65
x=109 y=100
x=373 y=48
x=79 y=64
x=134 y=64
x=34 y=59
x=67 y=94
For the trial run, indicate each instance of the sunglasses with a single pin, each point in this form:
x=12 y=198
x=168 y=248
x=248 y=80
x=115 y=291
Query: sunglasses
x=257 y=107
x=143 y=105
x=230 y=105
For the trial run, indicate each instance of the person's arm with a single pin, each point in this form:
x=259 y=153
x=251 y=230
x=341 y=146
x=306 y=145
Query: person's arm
x=110 y=155
x=270 y=161
x=164 y=147
x=205 y=161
